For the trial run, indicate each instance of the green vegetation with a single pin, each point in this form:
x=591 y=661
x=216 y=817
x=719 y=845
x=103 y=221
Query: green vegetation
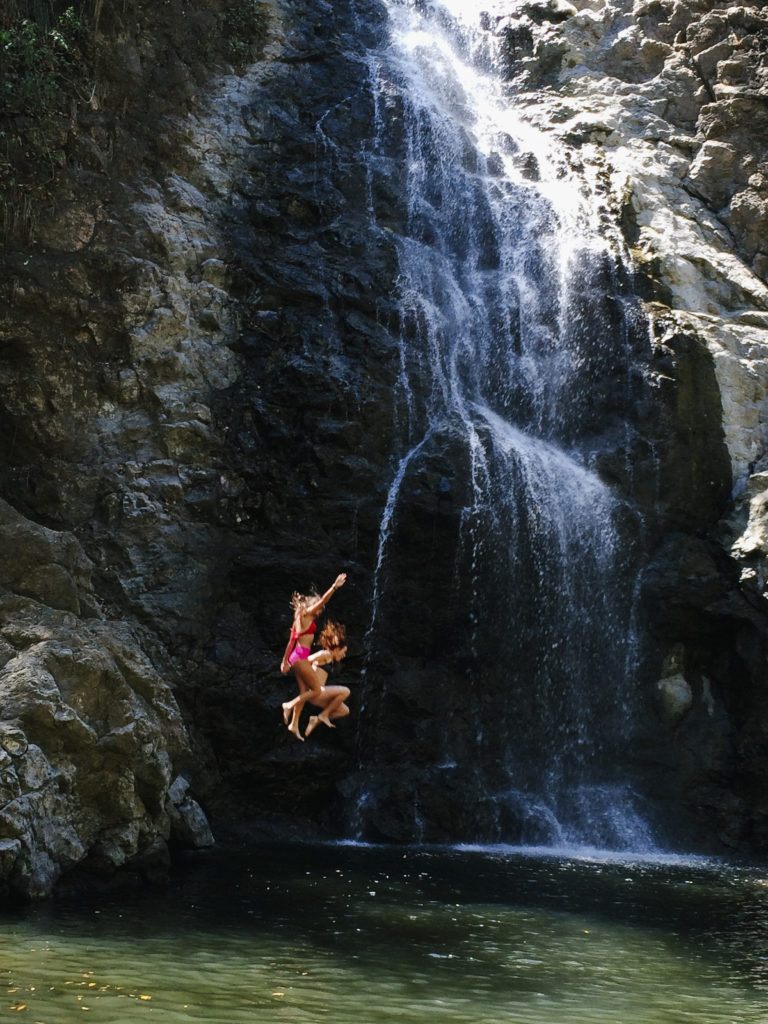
x=42 y=53
x=57 y=111
x=38 y=62
x=245 y=30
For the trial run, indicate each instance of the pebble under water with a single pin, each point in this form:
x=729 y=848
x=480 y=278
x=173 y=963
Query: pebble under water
x=359 y=934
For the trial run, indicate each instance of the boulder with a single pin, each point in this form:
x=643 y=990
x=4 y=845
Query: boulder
x=89 y=731
x=713 y=171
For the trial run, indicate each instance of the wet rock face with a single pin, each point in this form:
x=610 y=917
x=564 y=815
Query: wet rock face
x=199 y=373
x=670 y=100
x=309 y=420
x=115 y=329
x=197 y=381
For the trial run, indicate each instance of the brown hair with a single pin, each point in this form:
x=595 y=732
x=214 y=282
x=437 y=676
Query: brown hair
x=333 y=635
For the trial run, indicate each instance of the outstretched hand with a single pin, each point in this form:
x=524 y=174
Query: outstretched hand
x=340 y=580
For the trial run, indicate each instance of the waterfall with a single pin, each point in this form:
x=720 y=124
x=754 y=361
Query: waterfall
x=500 y=688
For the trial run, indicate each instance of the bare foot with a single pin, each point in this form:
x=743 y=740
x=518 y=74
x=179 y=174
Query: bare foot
x=295 y=730
x=286 y=713
x=311 y=724
x=326 y=721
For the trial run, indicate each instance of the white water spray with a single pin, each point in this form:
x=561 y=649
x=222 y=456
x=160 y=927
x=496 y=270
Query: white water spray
x=508 y=348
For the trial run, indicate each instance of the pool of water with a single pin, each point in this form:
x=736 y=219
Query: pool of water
x=361 y=935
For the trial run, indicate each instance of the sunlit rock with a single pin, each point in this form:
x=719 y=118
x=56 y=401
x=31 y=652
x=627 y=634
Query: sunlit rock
x=712 y=171
x=674 y=691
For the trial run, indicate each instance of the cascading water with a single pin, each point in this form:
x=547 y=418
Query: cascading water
x=508 y=638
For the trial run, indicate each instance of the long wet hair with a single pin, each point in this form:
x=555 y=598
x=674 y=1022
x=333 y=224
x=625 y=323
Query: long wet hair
x=332 y=636
x=300 y=601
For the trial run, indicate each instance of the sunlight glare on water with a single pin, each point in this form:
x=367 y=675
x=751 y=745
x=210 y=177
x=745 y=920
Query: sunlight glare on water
x=358 y=934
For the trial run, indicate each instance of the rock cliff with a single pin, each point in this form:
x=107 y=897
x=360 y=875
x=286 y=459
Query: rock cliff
x=199 y=368
x=666 y=103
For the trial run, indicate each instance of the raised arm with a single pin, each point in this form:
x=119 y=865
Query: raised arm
x=315 y=609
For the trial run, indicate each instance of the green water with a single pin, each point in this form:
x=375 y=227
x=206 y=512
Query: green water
x=360 y=935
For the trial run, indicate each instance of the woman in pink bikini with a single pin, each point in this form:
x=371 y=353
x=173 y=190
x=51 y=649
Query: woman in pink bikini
x=306 y=608
x=311 y=678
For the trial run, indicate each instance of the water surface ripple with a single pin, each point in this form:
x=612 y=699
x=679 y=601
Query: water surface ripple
x=361 y=935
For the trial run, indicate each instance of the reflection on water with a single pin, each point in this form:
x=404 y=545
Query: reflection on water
x=356 y=934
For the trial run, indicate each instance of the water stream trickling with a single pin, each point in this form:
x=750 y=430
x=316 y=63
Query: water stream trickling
x=518 y=341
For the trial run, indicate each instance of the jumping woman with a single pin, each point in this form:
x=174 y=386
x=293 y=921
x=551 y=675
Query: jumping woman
x=306 y=608
x=311 y=677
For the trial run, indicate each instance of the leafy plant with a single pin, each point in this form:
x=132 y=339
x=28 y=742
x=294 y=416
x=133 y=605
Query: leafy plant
x=41 y=53
x=245 y=28
x=37 y=61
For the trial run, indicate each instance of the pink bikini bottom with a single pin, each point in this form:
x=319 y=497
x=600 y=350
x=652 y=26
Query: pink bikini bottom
x=298 y=654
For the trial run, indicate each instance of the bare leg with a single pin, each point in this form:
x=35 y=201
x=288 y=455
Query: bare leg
x=331 y=700
x=309 y=683
x=295 y=714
